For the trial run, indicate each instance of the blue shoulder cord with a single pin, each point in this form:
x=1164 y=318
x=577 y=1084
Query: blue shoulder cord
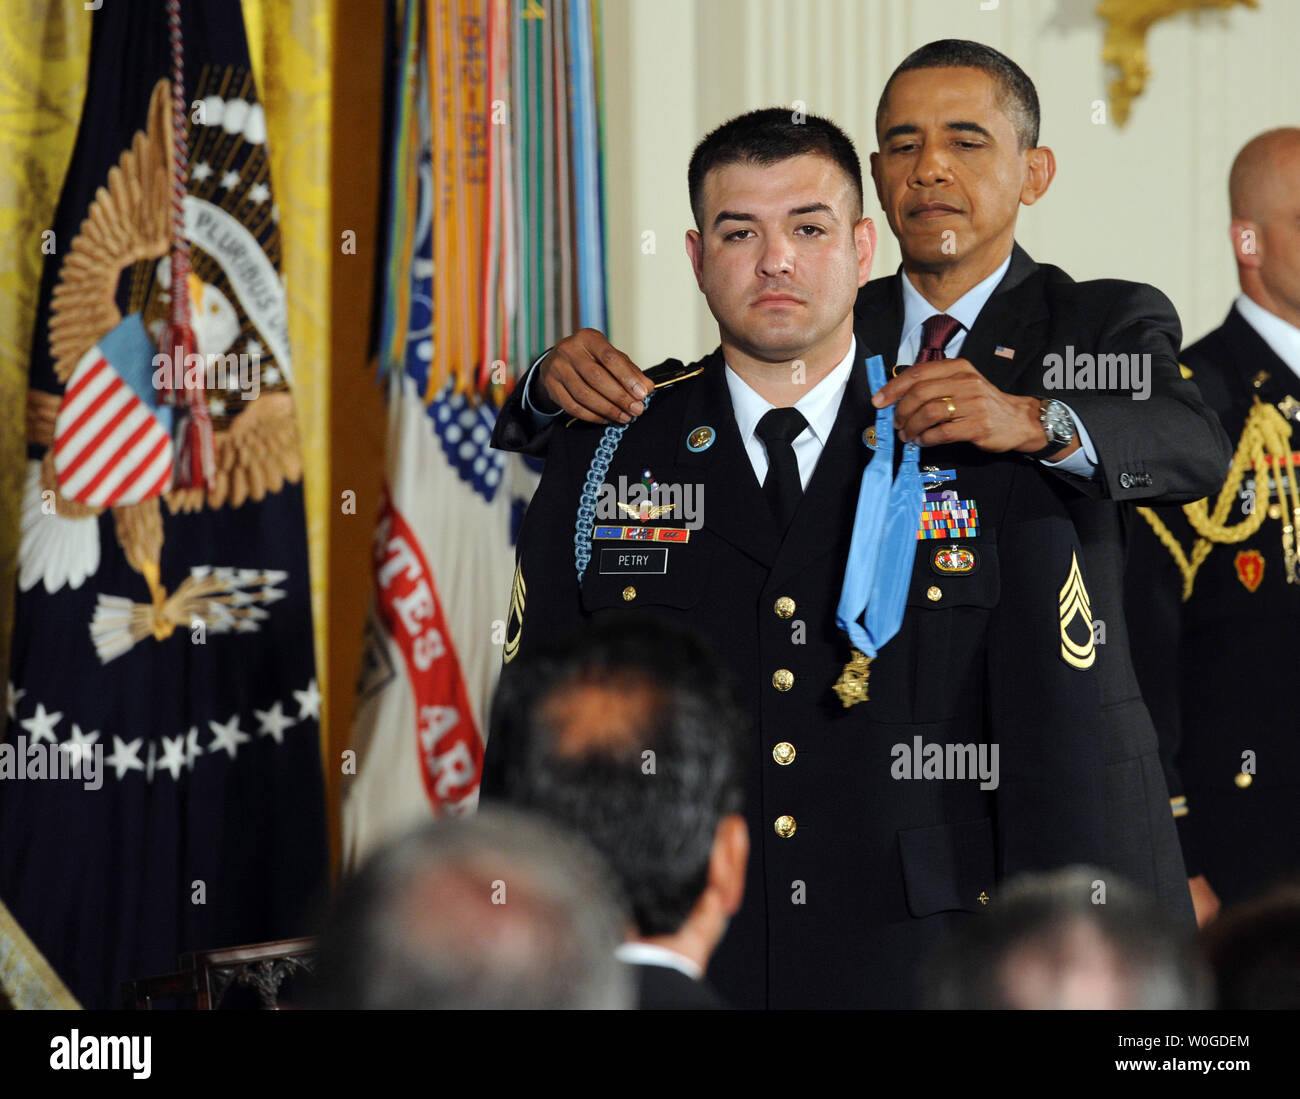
x=596 y=474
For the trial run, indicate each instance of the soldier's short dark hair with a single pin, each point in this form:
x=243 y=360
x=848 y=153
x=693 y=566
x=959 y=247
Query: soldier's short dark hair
x=768 y=136
x=653 y=818
x=1016 y=94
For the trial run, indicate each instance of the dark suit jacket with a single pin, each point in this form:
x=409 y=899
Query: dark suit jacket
x=1168 y=448
x=840 y=913
x=662 y=988
x=1218 y=671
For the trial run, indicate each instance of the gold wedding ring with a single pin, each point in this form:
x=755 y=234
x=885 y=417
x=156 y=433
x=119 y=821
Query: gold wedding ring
x=952 y=408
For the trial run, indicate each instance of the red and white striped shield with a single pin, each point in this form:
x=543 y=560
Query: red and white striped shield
x=109 y=446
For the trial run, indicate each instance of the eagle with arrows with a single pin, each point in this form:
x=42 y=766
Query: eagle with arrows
x=108 y=436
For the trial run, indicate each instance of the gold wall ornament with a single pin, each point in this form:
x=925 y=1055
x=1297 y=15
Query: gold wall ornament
x=1125 y=45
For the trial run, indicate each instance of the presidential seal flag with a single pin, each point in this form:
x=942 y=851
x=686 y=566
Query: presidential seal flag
x=162 y=631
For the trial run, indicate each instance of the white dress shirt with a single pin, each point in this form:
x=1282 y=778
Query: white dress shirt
x=653 y=954
x=820 y=405
x=965 y=310
x=1282 y=337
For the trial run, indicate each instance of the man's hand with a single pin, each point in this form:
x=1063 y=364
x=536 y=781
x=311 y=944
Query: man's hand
x=949 y=401
x=585 y=376
x=1204 y=900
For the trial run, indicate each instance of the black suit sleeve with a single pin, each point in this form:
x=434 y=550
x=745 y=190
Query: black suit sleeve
x=1168 y=447
x=1044 y=711
x=1153 y=608
x=516 y=431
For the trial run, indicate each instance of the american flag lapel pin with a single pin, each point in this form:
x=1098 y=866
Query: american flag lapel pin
x=1004 y=352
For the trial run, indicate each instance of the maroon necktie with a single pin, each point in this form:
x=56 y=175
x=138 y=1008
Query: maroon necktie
x=935 y=334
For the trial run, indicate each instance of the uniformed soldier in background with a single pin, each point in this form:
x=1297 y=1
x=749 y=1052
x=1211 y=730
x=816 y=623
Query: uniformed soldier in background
x=1214 y=587
x=885 y=798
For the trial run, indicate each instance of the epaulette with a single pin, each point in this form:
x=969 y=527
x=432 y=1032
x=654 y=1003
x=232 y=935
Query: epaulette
x=664 y=374
x=672 y=371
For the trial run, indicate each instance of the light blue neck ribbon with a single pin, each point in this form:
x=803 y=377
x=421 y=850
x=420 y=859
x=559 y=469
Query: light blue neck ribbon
x=879 y=568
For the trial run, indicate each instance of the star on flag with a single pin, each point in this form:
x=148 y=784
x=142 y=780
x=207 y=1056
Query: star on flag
x=41 y=725
x=125 y=757
x=79 y=746
x=12 y=697
x=274 y=722
x=308 y=702
x=173 y=756
x=227 y=736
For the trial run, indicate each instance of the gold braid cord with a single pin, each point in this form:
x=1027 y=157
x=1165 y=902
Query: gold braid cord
x=1267 y=434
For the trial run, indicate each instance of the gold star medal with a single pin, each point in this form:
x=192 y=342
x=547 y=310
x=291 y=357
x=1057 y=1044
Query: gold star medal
x=852 y=683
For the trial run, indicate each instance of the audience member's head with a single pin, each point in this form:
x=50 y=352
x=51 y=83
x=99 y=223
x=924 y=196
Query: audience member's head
x=1077 y=938
x=498 y=910
x=1254 y=950
x=627 y=735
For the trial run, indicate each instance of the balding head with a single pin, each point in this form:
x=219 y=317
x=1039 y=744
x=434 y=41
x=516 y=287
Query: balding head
x=1258 y=180
x=499 y=910
x=1264 y=190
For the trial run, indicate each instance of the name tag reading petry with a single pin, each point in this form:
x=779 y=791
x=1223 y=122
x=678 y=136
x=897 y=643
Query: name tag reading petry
x=652 y=559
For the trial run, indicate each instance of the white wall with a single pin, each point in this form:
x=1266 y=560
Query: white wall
x=1147 y=201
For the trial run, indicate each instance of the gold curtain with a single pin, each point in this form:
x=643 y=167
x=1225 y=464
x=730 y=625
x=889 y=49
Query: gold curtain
x=44 y=48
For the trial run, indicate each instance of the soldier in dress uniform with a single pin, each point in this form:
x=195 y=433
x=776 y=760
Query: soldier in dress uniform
x=1214 y=587
x=881 y=608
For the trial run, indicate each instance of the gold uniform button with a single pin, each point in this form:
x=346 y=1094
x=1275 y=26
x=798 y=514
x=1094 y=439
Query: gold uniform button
x=933 y=593
x=629 y=593
x=784 y=753
x=1274 y=512
x=784 y=607
x=783 y=679
x=784 y=826
x=1242 y=779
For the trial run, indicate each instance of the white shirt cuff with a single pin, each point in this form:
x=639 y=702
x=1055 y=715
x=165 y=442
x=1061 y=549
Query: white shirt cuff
x=539 y=419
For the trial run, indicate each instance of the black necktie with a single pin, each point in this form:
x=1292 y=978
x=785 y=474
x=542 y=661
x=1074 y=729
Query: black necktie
x=782 y=487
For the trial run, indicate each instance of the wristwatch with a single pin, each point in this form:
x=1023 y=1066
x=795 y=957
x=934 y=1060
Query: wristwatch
x=1058 y=425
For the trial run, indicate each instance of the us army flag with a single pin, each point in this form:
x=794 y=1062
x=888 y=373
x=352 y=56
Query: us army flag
x=160 y=781
x=442 y=553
